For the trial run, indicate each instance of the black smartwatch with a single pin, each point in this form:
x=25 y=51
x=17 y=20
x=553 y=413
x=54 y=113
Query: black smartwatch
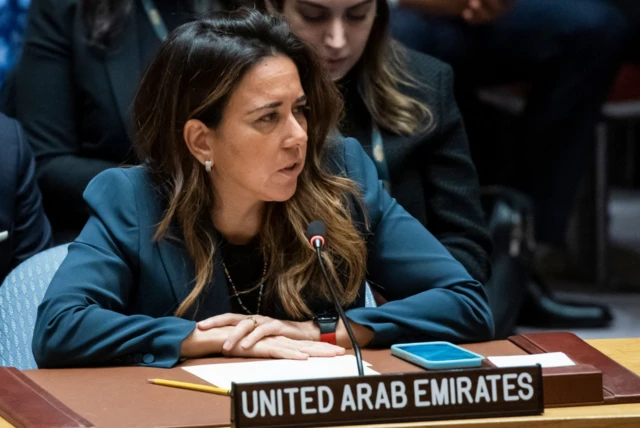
x=327 y=325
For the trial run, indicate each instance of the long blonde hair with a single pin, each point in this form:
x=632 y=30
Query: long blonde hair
x=192 y=77
x=381 y=77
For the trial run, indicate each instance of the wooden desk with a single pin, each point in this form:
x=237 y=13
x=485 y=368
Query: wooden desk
x=624 y=351
x=122 y=395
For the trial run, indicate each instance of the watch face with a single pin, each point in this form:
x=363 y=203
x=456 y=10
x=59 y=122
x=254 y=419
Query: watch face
x=326 y=323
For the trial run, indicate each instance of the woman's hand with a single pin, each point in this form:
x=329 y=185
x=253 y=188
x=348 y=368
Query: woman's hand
x=485 y=11
x=285 y=348
x=474 y=12
x=200 y=342
x=363 y=335
x=250 y=329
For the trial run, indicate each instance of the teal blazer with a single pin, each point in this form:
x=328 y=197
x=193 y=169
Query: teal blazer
x=112 y=299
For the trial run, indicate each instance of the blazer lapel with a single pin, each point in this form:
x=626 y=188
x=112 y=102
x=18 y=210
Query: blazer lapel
x=123 y=68
x=180 y=271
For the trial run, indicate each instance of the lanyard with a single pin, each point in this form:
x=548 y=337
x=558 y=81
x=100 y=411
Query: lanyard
x=156 y=20
x=379 y=158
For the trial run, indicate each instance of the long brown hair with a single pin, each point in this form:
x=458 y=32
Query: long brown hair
x=192 y=77
x=382 y=75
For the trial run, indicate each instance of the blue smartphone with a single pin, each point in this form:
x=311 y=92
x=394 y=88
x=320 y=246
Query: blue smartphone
x=437 y=355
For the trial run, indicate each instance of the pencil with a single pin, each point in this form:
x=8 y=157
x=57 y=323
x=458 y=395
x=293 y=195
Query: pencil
x=191 y=386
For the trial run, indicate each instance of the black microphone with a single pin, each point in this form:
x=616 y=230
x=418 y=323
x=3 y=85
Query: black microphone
x=316 y=236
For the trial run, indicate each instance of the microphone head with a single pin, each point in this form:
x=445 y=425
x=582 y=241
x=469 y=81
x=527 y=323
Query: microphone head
x=316 y=230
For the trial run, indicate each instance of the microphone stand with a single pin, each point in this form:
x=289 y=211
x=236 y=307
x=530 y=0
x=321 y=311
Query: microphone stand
x=341 y=314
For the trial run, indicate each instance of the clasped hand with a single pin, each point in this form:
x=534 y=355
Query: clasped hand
x=264 y=337
x=485 y=11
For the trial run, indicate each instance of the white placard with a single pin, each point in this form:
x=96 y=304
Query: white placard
x=223 y=374
x=551 y=359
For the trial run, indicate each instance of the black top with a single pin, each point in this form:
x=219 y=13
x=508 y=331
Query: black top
x=357 y=119
x=246 y=266
x=432 y=175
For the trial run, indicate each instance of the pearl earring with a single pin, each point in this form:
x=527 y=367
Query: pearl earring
x=207 y=166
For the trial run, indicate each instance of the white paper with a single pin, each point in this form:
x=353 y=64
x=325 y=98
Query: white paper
x=551 y=359
x=223 y=374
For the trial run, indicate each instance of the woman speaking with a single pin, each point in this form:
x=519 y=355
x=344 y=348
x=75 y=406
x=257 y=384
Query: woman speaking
x=202 y=249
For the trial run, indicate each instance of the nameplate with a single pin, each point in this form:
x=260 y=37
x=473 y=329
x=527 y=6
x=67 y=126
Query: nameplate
x=411 y=397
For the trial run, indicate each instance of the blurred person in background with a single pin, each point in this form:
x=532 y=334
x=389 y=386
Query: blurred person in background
x=429 y=167
x=73 y=88
x=13 y=18
x=24 y=228
x=567 y=51
x=399 y=104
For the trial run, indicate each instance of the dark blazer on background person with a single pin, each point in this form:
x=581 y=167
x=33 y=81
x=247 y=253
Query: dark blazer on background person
x=112 y=299
x=74 y=99
x=24 y=228
x=432 y=174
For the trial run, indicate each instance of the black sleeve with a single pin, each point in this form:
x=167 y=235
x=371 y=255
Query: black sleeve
x=31 y=229
x=46 y=104
x=452 y=191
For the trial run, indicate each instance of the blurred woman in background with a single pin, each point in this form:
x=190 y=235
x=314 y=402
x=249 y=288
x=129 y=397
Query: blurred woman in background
x=400 y=106
x=74 y=88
